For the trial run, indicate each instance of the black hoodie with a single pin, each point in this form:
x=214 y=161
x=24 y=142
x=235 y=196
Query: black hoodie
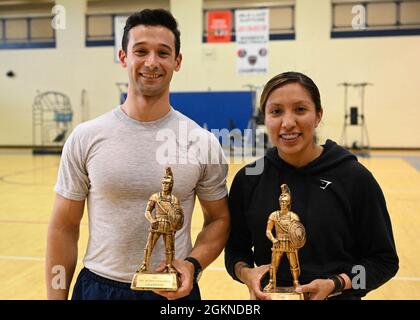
x=341 y=206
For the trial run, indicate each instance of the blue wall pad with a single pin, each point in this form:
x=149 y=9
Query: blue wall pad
x=216 y=109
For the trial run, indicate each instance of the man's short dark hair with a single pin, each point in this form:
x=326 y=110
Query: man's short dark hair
x=152 y=17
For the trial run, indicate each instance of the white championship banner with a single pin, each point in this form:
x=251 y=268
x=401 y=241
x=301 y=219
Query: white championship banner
x=252 y=36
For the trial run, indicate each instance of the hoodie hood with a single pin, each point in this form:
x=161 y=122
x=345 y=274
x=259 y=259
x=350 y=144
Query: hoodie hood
x=331 y=157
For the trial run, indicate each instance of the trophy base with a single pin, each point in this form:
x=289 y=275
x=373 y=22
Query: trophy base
x=286 y=293
x=150 y=281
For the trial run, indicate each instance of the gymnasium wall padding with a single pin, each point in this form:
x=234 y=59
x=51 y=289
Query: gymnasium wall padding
x=216 y=109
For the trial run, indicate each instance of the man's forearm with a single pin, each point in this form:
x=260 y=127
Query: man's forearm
x=61 y=260
x=211 y=240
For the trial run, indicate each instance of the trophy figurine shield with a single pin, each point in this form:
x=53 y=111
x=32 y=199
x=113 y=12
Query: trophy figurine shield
x=168 y=219
x=289 y=237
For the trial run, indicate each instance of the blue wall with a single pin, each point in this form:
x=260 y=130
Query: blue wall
x=216 y=109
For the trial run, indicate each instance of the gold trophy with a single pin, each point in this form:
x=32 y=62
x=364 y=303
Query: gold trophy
x=290 y=236
x=168 y=218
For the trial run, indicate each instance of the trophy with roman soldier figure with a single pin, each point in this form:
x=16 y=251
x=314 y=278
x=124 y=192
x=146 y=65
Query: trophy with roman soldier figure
x=167 y=219
x=289 y=237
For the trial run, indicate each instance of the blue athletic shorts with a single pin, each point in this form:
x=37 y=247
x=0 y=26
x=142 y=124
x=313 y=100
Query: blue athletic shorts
x=90 y=286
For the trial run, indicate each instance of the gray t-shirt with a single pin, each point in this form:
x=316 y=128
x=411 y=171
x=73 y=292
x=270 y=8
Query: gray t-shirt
x=117 y=163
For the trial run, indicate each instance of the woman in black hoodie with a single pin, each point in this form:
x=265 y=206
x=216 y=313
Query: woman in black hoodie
x=350 y=248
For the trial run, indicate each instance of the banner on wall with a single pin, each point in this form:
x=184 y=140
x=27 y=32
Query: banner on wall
x=219 y=26
x=119 y=24
x=252 y=36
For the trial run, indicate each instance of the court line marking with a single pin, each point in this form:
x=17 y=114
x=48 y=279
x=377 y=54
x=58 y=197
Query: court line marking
x=417 y=279
x=26 y=258
x=42 y=259
x=4 y=178
x=6 y=221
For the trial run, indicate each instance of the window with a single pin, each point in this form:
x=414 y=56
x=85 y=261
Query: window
x=26 y=25
x=281 y=16
x=101 y=13
x=100 y=29
x=375 y=18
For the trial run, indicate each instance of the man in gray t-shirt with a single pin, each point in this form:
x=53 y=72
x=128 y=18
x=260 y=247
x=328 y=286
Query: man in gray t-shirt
x=115 y=162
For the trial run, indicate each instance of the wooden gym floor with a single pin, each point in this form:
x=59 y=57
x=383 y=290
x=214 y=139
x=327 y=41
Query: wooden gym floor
x=26 y=197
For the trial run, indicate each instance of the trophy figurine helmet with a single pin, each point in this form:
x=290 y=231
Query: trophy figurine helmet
x=168 y=179
x=285 y=196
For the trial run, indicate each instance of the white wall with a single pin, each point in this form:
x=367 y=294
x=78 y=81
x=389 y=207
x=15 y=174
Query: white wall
x=392 y=104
